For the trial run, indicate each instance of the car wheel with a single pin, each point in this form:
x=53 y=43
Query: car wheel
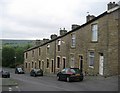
x=58 y=78
x=81 y=79
x=34 y=75
x=41 y=74
x=8 y=76
x=68 y=79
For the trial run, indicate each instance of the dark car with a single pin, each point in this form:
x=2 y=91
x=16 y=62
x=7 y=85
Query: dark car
x=36 y=72
x=70 y=74
x=19 y=70
x=5 y=74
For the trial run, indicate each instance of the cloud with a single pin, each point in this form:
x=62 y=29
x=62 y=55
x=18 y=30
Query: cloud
x=41 y=18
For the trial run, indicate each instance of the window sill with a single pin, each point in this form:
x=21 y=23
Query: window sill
x=91 y=67
x=57 y=68
x=73 y=47
x=94 y=41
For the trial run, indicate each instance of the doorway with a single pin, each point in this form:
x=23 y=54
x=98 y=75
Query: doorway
x=29 y=67
x=43 y=66
x=40 y=64
x=52 y=66
x=81 y=63
x=64 y=63
x=101 y=60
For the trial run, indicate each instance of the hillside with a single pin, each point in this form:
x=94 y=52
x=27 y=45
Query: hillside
x=17 y=42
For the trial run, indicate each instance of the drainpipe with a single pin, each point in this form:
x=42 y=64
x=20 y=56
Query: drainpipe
x=107 y=44
x=55 y=57
x=118 y=41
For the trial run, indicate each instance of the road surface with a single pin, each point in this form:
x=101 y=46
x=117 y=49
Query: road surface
x=50 y=83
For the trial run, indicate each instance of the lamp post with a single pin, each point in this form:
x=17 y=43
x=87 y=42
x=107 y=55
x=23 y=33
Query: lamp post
x=15 y=60
x=15 y=56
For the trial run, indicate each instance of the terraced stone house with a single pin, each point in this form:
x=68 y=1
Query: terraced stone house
x=92 y=47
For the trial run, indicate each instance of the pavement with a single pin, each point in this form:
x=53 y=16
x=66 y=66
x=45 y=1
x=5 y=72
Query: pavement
x=8 y=82
x=50 y=75
x=90 y=77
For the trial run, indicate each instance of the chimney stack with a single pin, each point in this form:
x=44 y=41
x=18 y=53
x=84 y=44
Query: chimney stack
x=62 y=32
x=53 y=36
x=45 y=40
x=112 y=5
x=119 y=3
x=74 y=26
x=89 y=17
x=38 y=42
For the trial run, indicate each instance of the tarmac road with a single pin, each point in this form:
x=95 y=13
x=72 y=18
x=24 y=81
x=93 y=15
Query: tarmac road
x=50 y=83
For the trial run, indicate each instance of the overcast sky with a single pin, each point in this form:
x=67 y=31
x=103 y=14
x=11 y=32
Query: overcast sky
x=38 y=19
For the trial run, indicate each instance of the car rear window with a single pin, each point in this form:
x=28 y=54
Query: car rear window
x=37 y=70
x=75 y=71
x=20 y=69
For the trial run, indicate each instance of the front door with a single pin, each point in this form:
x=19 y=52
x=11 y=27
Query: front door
x=29 y=67
x=81 y=63
x=52 y=67
x=101 y=60
x=43 y=66
x=64 y=63
x=40 y=64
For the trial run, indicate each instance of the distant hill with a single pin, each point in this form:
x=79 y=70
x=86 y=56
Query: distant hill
x=17 y=42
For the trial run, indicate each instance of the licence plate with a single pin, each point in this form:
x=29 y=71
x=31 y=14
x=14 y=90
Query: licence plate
x=77 y=75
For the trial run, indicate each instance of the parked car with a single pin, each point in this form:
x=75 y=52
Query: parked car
x=36 y=72
x=70 y=74
x=19 y=70
x=5 y=74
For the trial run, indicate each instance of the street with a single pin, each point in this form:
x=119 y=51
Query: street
x=50 y=83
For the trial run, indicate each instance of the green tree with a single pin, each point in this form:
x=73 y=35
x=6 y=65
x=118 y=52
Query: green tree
x=8 y=54
x=13 y=55
x=27 y=46
x=19 y=51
